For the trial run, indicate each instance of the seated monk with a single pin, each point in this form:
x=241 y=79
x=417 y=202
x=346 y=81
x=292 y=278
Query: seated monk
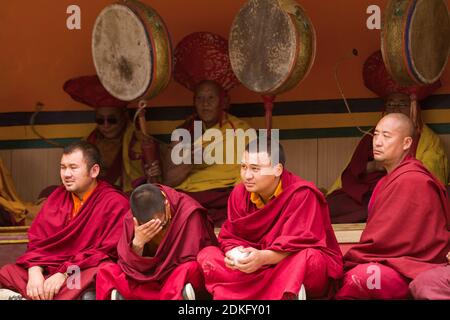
x=208 y=184
x=162 y=236
x=114 y=135
x=407 y=227
x=277 y=242
x=77 y=230
x=349 y=196
x=202 y=65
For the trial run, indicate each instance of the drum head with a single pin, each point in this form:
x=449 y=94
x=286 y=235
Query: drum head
x=263 y=45
x=122 y=53
x=429 y=39
x=415 y=40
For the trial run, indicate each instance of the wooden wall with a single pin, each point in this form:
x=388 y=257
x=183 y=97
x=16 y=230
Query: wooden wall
x=317 y=160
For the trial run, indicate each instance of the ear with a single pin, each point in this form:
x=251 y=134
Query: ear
x=95 y=171
x=167 y=209
x=407 y=143
x=278 y=170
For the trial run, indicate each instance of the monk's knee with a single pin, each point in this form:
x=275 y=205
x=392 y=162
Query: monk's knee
x=207 y=254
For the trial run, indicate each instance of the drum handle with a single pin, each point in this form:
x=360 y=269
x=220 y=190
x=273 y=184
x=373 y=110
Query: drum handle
x=268 y=106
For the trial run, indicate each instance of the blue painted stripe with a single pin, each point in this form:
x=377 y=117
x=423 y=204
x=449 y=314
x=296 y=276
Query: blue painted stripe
x=435 y=102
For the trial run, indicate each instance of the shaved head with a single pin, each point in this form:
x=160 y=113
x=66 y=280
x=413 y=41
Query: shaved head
x=392 y=140
x=401 y=122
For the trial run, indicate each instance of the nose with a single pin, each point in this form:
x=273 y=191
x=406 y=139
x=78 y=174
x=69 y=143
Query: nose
x=248 y=174
x=67 y=172
x=377 y=140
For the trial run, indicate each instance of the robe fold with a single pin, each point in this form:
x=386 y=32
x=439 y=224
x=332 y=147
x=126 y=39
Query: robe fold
x=57 y=241
x=174 y=264
x=296 y=221
x=408 y=223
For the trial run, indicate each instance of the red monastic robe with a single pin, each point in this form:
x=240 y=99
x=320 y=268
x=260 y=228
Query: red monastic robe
x=407 y=228
x=57 y=241
x=349 y=204
x=164 y=275
x=297 y=221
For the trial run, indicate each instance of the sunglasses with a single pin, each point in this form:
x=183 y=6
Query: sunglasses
x=102 y=120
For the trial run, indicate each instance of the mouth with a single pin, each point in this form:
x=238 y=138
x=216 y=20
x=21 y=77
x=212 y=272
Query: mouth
x=377 y=152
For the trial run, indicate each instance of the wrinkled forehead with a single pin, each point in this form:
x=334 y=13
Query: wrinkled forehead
x=256 y=158
x=207 y=88
x=75 y=157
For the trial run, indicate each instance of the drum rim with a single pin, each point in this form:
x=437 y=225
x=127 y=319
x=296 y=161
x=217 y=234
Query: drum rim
x=408 y=40
x=141 y=92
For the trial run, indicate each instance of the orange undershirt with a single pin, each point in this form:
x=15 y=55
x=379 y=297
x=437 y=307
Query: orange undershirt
x=258 y=201
x=78 y=203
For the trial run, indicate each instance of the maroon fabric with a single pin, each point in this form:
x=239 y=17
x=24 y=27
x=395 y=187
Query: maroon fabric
x=408 y=222
x=377 y=78
x=111 y=277
x=355 y=181
x=56 y=241
x=433 y=284
x=188 y=233
x=215 y=201
x=203 y=56
x=90 y=91
x=296 y=220
x=373 y=281
x=344 y=209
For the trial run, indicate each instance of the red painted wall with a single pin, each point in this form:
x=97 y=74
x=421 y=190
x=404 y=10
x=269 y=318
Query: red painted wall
x=39 y=53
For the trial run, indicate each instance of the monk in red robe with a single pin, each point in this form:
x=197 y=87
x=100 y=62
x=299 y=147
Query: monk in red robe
x=349 y=196
x=278 y=241
x=407 y=227
x=162 y=236
x=77 y=230
x=114 y=135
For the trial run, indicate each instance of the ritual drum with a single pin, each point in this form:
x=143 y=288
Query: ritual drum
x=415 y=40
x=132 y=51
x=272 y=45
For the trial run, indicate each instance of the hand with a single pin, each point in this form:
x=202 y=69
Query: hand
x=229 y=260
x=53 y=284
x=448 y=257
x=146 y=232
x=35 y=285
x=253 y=262
x=153 y=170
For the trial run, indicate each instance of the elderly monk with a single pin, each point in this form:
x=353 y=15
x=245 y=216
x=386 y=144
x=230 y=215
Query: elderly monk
x=202 y=65
x=114 y=135
x=77 y=229
x=162 y=236
x=433 y=284
x=277 y=241
x=349 y=196
x=407 y=227
x=208 y=184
